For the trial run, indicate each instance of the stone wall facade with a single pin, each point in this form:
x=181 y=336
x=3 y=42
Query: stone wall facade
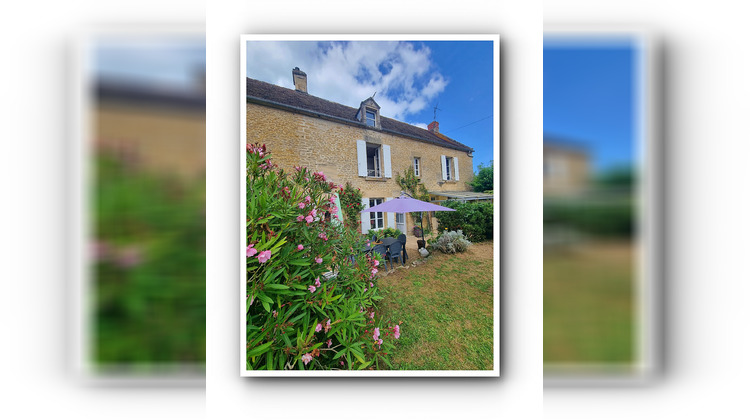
x=331 y=147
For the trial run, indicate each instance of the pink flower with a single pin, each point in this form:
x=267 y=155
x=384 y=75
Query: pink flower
x=264 y=256
x=318 y=327
x=300 y=218
x=313 y=212
x=329 y=342
x=274 y=314
x=334 y=209
x=342 y=363
x=380 y=341
x=322 y=235
x=306 y=358
x=365 y=289
x=129 y=257
x=396 y=332
x=376 y=334
x=318 y=260
x=376 y=263
x=301 y=205
x=311 y=289
x=374 y=271
x=371 y=285
x=332 y=199
x=372 y=314
x=317 y=281
x=300 y=247
x=328 y=327
x=309 y=219
x=308 y=199
x=251 y=251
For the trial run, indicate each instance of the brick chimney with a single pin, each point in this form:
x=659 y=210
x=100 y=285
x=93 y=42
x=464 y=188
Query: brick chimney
x=300 y=80
x=433 y=127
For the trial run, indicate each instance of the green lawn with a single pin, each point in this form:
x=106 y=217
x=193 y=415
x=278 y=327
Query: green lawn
x=588 y=304
x=445 y=310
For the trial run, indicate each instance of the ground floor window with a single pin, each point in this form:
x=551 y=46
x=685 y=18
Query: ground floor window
x=376 y=219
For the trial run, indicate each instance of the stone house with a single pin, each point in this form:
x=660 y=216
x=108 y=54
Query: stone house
x=566 y=168
x=163 y=130
x=354 y=144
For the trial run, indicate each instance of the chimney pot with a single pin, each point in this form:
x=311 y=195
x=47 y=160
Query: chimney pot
x=300 y=80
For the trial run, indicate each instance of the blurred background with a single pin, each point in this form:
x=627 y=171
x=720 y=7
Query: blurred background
x=147 y=124
x=590 y=193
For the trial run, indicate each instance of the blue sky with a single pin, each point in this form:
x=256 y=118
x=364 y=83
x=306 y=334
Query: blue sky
x=590 y=98
x=161 y=61
x=410 y=78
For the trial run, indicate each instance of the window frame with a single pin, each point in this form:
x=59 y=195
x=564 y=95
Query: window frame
x=449 y=176
x=378 y=215
x=417 y=165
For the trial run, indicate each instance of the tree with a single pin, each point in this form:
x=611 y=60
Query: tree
x=484 y=180
x=414 y=187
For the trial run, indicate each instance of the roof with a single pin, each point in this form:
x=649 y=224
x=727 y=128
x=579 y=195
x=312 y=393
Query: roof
x=463 y=195
x=560 y=144
x=280 y=97
x=140 y=94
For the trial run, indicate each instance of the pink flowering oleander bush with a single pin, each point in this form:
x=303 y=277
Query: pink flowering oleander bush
x=310 y=288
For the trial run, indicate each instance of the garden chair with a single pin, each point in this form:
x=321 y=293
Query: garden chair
x=394 y=251
x=402 y=238
x=383 y=251
x=374 y=238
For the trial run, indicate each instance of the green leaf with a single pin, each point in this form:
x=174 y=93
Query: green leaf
x=259 y=350
x=276 y=286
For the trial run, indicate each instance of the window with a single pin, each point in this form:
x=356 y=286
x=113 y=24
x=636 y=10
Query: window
x=376 y=219
x=370 y=117
x=416 y=166
x=448 y=165
x=373 y=160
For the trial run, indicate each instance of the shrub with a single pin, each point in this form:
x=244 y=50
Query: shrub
x=604 y=218
x=474 y=218
x=417 y=231
x=483 y=181
x=351 y=204
x=150 y=256
x=311 y=293
x=384 y=233
x=451 y=242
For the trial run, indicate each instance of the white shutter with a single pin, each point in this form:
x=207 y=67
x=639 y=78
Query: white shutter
x=391 y=216
x=365 y=216
x=361 y=158
x=455 y=166
x=387 y=160
x=442 y=167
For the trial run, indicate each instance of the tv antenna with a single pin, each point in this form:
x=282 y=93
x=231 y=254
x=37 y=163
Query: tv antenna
x=373 y=95
x=435 y=109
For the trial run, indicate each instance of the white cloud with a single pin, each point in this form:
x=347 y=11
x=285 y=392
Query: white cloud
x=402 y=73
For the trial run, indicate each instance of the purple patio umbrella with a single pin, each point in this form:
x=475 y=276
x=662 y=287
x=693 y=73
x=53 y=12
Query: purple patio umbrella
x=406 y=204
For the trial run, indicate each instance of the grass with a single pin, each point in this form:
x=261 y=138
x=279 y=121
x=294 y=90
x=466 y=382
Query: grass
x=445 y=309
x=588 y=304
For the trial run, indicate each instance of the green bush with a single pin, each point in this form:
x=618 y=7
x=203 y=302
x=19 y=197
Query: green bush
x=610 y=218
x=384 y=233
x=149 y=279
x=475 y=219
x=450 y=242
x=311 y=291
x=351 y=204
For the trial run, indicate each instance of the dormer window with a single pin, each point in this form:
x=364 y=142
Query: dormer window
x=369 y=113
x=370 y=117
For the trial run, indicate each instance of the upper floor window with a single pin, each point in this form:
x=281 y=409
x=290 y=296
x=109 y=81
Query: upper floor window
x=369 y=113
x=417 y=166
x=449 y=166
x=373 y=160
x=370 y=117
